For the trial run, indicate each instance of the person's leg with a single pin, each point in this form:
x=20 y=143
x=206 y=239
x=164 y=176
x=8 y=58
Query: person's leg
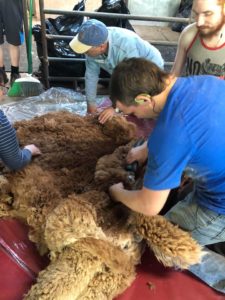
x=14 y=52
x=14 y=33
x=211 y=270
x=3 y=76
x=1 y=57
x=207 y=228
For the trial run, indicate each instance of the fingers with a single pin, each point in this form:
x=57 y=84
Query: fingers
x=132 y=156
x=115 y=189
x=33 y=149
x=106 y=115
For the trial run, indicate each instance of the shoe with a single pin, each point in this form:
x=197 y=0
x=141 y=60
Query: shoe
x=13 y=77
x=3 y=77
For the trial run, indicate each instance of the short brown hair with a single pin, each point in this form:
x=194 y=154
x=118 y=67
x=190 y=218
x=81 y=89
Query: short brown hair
x=134 y=76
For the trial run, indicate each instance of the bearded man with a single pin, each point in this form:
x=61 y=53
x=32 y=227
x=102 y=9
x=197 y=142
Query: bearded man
x=202 y=44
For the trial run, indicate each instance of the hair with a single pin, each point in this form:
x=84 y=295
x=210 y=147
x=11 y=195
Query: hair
x=135 y=76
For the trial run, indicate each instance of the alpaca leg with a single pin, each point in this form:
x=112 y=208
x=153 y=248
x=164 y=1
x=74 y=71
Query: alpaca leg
x=171 y=245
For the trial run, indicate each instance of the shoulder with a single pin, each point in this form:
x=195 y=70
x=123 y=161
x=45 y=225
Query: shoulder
x=187 y=35
x=116 y=32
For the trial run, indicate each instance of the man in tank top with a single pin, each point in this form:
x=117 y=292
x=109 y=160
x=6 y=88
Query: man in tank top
x=201 y=45
x=201 y=48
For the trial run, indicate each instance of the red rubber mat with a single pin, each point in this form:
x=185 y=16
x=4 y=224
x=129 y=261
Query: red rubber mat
x=20 y=263
x=19 y=260
x=155 y=282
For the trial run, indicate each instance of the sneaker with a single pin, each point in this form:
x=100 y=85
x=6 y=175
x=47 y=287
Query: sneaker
x=3 y=77
x=13 y=77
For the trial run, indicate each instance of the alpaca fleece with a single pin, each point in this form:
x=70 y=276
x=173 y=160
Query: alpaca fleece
x=93 y=242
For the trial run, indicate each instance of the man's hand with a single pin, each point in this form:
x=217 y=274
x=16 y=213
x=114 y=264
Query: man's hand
x=33 y=149
x=106 y=114
x=115 y=189
x=139 y=154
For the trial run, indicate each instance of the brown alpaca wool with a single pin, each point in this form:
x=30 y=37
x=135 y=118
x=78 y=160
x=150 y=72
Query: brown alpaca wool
x=93 y=242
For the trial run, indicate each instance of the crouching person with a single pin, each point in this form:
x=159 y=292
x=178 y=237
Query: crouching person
x=188 y=136
x=10 y=153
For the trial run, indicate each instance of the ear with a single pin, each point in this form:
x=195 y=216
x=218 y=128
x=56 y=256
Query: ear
x=142 y=98
x=104 y=47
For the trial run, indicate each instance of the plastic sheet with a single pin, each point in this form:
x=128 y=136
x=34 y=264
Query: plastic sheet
x=62 y=25
x=54 y=99
x=116 y=7
x=184 y=11
x=69 y=25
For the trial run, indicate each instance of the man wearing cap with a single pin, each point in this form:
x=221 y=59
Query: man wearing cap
x=105 y=47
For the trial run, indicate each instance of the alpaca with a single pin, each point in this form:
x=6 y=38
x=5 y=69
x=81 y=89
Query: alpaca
x=94 y=243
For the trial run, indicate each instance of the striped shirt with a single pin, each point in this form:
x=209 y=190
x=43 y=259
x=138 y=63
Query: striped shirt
x=10 y=153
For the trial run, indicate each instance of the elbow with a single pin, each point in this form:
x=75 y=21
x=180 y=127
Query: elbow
x=150 y=210
x=15 y=168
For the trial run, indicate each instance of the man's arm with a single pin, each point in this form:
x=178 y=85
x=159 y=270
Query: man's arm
x=91 y=81
x=184 y=42
x=145 y=201
x=139 y=154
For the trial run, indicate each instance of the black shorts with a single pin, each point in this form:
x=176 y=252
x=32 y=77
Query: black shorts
x=11 y=21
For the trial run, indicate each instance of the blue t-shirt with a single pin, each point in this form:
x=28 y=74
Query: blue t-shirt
x=190 y=134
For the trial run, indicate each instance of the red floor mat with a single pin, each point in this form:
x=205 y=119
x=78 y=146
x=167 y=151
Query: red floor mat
x=155 y=282
x=19 y=260
x=20 y=263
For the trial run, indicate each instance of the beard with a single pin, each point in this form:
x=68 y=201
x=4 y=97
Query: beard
x=206 y=31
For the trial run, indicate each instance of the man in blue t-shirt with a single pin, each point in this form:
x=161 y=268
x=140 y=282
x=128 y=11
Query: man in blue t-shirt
x=189 y=135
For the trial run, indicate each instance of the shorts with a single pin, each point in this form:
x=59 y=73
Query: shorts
x=11 y=21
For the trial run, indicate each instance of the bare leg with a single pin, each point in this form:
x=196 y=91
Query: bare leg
x=3 y=76
x=14 y=52
x=1 y=57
